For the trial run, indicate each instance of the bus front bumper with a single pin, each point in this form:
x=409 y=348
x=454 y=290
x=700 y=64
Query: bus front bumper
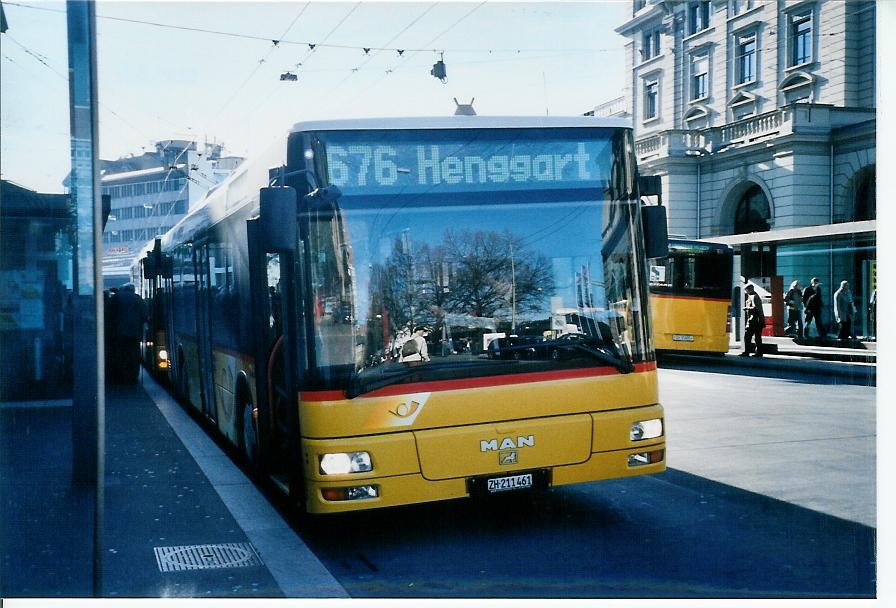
x=377 y=492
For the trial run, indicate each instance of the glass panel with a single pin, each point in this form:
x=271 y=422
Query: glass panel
x=496 y=247
x=694 y=270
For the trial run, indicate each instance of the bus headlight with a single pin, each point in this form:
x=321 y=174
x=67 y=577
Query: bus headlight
x=346 y=462
x=646 y=429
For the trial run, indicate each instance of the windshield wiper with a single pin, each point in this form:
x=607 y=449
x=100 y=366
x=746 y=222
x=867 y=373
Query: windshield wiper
x=361 y=383
x=623 y=365
x=602 y=349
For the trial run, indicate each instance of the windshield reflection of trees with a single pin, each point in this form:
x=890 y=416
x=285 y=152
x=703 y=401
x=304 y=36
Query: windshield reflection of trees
x=480 y=292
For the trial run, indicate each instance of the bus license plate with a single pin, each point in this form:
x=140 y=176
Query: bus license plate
x=513 y=482
x=682 y=338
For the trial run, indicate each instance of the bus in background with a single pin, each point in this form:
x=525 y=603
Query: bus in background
x=151 y=276
x=690 y=297
x=295 y=286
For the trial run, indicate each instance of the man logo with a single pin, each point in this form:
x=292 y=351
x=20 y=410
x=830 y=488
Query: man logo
x=507 y=457
x=508 y=443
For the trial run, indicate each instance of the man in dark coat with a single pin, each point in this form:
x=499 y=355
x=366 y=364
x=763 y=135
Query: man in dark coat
x=129 y=318
x=755 y=321
x=813 y=303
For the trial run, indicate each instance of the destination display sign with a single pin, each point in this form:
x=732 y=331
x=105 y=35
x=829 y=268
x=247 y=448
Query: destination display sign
x=412 y=167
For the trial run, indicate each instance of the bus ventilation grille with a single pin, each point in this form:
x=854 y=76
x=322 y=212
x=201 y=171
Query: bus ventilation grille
x=206 y=557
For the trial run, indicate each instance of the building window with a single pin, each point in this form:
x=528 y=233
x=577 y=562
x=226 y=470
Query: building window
x=752 y=214
x=699 y=77
x=638 y=5
x=180 y=207
x=865 y=206
x=745 y=61
x=650 y=46
x=736 y=7
x=698 y=16
x=800 y=38
x=651 y=99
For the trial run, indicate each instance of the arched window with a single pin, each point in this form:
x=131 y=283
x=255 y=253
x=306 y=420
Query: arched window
x=865 y=206
x=752 y=214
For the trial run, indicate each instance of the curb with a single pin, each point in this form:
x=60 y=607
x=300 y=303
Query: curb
x=860 y=373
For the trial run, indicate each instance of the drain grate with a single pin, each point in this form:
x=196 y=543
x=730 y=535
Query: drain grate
x=206 y=557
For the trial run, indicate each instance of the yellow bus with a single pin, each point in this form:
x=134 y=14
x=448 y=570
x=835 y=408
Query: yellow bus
x=690 y=296
x=326 y=308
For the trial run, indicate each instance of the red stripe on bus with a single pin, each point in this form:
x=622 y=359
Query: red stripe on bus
x=487 y=381
x=671 y=297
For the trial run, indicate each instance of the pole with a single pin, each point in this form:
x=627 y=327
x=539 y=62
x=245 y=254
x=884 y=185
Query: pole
x=88 y=412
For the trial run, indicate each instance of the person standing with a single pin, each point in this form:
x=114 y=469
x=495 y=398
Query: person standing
x=755 y=322
x=844 y=310
x=813 y=302
x=129 y=320
x=793 y=300
x=872 y=314
x=415 y=349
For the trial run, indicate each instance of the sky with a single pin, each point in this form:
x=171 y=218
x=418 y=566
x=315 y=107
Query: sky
x=157 y=82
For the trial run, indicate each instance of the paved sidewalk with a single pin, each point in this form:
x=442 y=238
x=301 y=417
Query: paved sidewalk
x=164 y=503
x=849 y=365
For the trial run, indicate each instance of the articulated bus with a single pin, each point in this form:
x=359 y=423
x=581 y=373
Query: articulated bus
x=289 y=292
x=690 y=296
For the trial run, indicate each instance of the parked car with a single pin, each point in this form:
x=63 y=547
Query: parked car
x=513 y=347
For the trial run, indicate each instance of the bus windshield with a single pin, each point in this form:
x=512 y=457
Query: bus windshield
x=693 y=269
x=466 y=253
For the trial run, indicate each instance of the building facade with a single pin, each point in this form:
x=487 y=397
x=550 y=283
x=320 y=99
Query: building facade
x=152 y=192
x=760 y=118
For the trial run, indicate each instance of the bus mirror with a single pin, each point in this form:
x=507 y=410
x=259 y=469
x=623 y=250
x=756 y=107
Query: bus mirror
x=656 y=235
x=277 y=210
x=150 y=272
x=322 y=196
x=167 y=266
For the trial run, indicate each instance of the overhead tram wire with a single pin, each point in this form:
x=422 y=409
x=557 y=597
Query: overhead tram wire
x=416 y=51
x=43 y=59
x=275 y=44
x=306 y=57
x=308 y=43
x=371 y=57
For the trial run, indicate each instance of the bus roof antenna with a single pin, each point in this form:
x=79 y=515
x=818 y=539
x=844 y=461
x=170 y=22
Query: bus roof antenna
x=464 y=109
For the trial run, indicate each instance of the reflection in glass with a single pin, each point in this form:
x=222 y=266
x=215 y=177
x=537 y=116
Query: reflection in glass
x=505 y=280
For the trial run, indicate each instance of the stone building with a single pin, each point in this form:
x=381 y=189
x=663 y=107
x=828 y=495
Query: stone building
x=760 y=118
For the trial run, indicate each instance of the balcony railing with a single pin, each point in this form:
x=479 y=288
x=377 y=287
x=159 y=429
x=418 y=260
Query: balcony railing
x=793 y=119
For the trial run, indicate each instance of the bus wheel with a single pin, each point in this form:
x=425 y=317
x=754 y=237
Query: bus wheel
x=249 y=436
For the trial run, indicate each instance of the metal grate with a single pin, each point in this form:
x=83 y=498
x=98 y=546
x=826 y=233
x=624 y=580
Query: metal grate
x=206 y=557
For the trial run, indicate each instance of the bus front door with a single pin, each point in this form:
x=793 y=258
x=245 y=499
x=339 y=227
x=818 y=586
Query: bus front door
x=274 y=321
x=204 y=332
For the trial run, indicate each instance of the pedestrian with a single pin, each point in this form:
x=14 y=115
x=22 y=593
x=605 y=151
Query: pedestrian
x=755 y=321
x=130 y=317
x=793 y=300
x=844 y=311
x=812 y=301
x=872 y=313
x=414 y=349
